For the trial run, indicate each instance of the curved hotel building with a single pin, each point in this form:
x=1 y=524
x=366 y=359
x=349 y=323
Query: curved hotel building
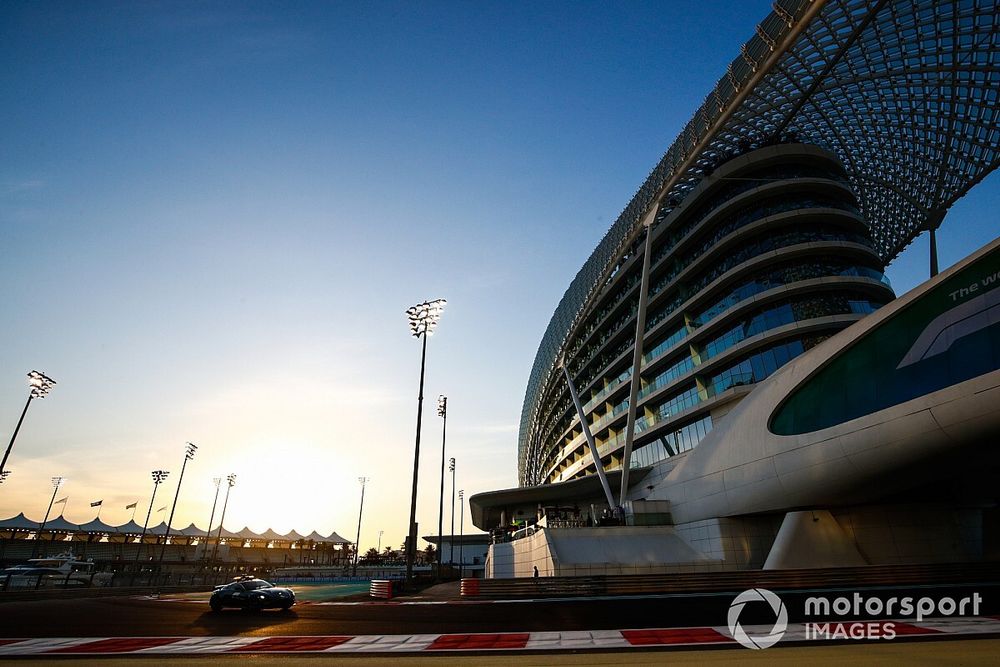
x=731 y=357
x=764 y=259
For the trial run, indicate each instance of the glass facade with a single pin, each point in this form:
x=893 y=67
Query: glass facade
x=785 y=275
x=663 y=346
x=898 y=362
x=794 y=310
x=671 y=444
x=682 y=367
x=759 y=248
x=755 y=367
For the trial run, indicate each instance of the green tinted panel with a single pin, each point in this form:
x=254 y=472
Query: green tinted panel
x=949 y=335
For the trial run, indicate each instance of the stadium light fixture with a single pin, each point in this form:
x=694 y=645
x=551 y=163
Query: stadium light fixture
x=189 y=450
x=451 y=549
x=357 y=542
x=442 y=410
x=56 y=483
x=230 y=483
x=40 y=385
x=423 y=319
x=211 y=517
x=461 y=531
x=159 y=477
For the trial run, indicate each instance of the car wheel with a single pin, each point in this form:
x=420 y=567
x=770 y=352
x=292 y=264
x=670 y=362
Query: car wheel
x=216 y=607
x=286 y=607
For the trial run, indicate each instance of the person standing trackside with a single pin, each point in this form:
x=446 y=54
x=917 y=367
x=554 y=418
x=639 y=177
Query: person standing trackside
x=535 y=575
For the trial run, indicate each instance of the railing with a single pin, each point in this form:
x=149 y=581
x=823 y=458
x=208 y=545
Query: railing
x=568 y=523
x=97 y=580
x=527 y=531
x=44 y=587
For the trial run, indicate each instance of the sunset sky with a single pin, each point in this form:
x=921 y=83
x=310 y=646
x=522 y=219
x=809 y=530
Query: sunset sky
x=214 y=215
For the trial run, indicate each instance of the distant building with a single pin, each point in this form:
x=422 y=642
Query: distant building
x=466 y=551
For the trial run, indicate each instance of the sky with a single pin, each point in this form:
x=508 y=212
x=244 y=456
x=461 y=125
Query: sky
x=213 y=216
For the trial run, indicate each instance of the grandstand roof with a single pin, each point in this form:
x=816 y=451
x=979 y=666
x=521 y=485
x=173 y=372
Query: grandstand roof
x=271 y=535
x=158 y=529
x=97 y=526
x=19 y=522
x=228 y=534
x=335 y=538
x=248 y=534
x=60 y=524
x=130 y=528
x=192 y=531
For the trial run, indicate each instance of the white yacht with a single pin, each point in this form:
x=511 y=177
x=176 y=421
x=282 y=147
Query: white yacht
x=60 y=570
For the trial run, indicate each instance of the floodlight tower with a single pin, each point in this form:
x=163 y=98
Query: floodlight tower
x=423 y=319
x=211 y=517
x=461 y=532
x=443 y=414
x=40 y=385
x=56 y=483
x=357 y=543
x=189 y=450
x=451 y=469
x=159 y=476
x=231 y=481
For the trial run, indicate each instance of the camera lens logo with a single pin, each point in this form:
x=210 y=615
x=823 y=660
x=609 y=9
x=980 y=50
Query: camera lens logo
x=756 y=641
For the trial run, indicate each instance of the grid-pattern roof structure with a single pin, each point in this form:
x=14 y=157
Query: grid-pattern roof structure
x=904 y=92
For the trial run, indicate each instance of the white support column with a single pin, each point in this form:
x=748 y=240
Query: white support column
x=640 y=330
x=590 y=439
x=934 y=252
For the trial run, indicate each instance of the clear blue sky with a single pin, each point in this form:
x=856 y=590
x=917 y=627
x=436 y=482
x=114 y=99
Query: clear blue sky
x=213 y=216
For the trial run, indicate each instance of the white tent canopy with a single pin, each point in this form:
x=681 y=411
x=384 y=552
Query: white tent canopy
x=96 y=526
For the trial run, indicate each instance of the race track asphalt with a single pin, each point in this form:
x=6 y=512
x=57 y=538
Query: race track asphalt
x=145 y=617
